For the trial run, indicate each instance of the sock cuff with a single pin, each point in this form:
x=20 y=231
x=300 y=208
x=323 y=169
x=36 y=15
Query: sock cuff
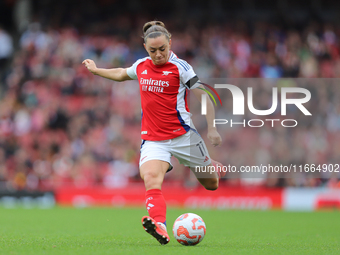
x=153 y=192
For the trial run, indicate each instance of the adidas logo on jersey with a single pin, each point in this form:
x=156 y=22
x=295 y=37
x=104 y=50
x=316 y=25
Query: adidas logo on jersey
x=166 y=72
x=145 y=72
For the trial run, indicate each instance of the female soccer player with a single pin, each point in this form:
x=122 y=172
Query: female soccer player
x=167 y=129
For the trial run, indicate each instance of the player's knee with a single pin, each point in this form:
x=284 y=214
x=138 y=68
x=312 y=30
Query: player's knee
x=152 y=180
x=211 y=184
x=150 y=177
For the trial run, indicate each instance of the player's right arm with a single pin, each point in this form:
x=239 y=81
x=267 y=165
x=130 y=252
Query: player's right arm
x=116 y=74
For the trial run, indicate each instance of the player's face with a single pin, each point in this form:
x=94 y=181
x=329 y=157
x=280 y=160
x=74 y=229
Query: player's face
x=158 y=49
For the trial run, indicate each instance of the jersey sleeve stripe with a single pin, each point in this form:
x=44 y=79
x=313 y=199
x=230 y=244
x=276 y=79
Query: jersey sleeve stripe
x=176 y=61
x=183 y=62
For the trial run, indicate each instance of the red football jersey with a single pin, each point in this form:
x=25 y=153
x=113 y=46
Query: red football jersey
x=165 y=113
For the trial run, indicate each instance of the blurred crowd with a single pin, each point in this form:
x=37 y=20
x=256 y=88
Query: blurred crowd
x=62 y=126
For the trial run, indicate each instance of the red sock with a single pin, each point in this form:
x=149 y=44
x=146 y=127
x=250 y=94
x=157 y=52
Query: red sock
x=155 y=204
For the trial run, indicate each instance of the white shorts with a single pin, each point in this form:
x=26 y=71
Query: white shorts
x=189 y=149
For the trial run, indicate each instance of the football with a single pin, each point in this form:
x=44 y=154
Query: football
x=189 y=229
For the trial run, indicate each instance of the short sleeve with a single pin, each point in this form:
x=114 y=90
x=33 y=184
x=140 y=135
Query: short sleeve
x=187 y=74
x=132 y=71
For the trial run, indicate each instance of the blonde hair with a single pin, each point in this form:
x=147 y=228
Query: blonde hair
x=153 y=29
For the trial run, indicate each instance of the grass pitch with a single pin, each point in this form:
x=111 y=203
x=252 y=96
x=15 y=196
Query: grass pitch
x=119 y=231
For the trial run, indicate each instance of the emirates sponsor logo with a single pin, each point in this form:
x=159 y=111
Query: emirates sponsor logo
x=151 y=81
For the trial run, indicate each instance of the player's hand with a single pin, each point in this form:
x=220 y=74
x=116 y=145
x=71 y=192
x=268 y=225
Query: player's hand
x=90 y=65
x=214 y=137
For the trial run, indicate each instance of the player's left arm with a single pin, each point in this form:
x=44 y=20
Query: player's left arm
x=213 y=135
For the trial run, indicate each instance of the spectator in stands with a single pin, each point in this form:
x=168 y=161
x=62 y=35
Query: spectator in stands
x=6 y=48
